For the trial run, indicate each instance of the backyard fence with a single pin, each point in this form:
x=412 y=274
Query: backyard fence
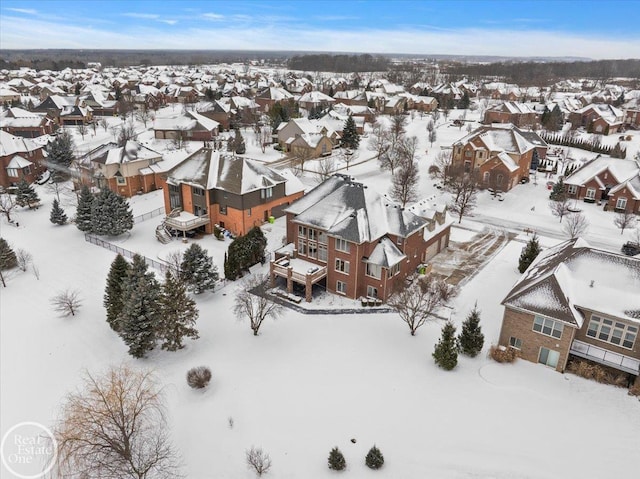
x=124 y=252
x=148 y=216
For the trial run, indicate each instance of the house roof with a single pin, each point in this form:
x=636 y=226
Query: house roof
x=385 y=254
x=572 y=277
x=130 y=152
x=503 y=137
x=19 y=162
x=350 y=210
x=621 y=170
x=188 y=121
x=210 y=170
x=10 y=145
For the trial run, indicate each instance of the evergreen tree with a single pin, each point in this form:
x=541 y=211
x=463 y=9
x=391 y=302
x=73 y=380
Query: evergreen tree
x=445 y=352
x=140 y=315
x=471 y=338
x=83 y=211
x=465 y=101
x=57 y=216
x=350 y=137
x=8 y=257
x=336 y=460
x=529 y=253
x=178 y=314
x=544 y=118
x=243 y=252
x=374 y=459
x=113 y=292
x=26 y=195
x=535 y=160
x=60 y=152
x=197 y=269
x=556 y=119
x=110 y=214
x=558 y=193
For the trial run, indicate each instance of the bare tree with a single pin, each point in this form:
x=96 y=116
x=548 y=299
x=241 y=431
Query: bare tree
x=104 y=124
x=419 y=302
x=625 y=220
x=82 y=129
x=264 y=137
x=115 y=427
x=252 y=302
x=404 y=183
x=379 y=139
x=67 y=302
x=144 y=115
x=126 y=133
x=443 y=163
x=576 y=225
x=463 y=187
x=325 y=168
x=432 y=137
x=24 y=259
x=258 y=460
x=174 y=261
x=179 y=138
x=560 y=208
x=7 y=204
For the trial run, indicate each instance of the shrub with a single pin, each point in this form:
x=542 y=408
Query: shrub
x=336 y=460
x=502 y=354
x=199 y=377
x=596 y=372
x=374 y=459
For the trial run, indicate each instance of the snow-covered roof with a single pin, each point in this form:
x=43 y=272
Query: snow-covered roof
x=19 y=162
x=503 y=137
x=573 y=277
x=621 y=169
x=316 y=97
x=130 y=152
x=10 y=145
x=385 y=254
x=350 y=210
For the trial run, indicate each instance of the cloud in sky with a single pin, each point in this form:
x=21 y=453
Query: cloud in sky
x=27 y=11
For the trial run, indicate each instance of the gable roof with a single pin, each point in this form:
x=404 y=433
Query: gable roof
x=503 y=137
x=621 y=169
x=10 y=145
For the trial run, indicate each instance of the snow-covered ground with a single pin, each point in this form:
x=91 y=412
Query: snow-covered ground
x=308 y=383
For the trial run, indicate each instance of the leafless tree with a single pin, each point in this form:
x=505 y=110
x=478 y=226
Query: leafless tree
x=418 y=303
x=325 y=168
x=104 y=124
x=430 y=126
x=443 y=163
x=144 y=115
x=252 y=302
x=398 y=125
x=115 y=427
x=432 y=137
x=179 y=138
x=82 y=129
x=7 y=205
x=126 y=133
x=560 y=208
x=258 y=460
x=379 y=139
x=463 y=187
x=174 y=261
x=576 y=225
x=625 y=220
x=302 y=156
x=405 y=182
x=67 y=302
x=263 y=137
x=24 y=259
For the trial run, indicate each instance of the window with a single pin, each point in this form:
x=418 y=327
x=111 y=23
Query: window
x=467 y=153
x=621 y=204
x=223 y=209
x=572 y=189
x=548 y=327
x=499 y=179
x=485 y=177
x=341 y=287
x=374 y=271
x=302 y=231
x=12 y=172
x=312 y=243
x=121 y=180
x=591 y=194
x=249 y=212
x=175 y=198
x=342 y=245
x=612 y=331
x=322 y=252
x=266 y=193
x=393 y=270
x=515 y=342
x=548 y=357
x=372 y=292
x=302 y=247
x=342 y=266
x=197 y=191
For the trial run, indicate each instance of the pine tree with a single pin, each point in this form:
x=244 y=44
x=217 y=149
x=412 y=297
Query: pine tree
x=140 y=315
x=197 y=269
x=558 y=193
x=60 y=156
x=529 y=253
x=26 y=195
x=336 y=460
x=57 y=216
x=465 y=101
x=114 y=290
x=374 y=459
x=8 y=257
x=471 y=338
x=445 y=352
x=83 y=211
x=178 y=314
x=110 y=214
x=350 y=137
x=556 y=119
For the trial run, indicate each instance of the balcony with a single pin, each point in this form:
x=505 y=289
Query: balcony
x=605 y=357
x=302 y=271
x=186 y=221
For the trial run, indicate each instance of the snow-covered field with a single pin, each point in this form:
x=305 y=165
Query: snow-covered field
x=308 y=383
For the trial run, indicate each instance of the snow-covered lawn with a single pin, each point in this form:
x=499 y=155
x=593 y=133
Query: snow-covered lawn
x=308 y=383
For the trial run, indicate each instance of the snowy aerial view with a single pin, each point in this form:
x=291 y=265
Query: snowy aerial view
x=360 y=239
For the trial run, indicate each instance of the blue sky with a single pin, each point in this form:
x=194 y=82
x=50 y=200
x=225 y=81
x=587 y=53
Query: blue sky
x=595 y=29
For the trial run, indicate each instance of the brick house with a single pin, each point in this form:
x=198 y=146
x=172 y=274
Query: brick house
x=598 y=118
x=501 y=154
x=293 y=129
x=269 y=96
x=315 y=99
x=613 y=183
x=576 y=301
x=355 y=241
x=189 y=126
x=19 y=158
x=511 y=112
x=211 y=187
x=20 y=122
x=66 y=110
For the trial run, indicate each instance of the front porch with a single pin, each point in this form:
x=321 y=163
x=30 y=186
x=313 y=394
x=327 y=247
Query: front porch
x=297 y=270
x=605 y=357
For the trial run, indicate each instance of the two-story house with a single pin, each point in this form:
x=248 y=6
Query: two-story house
x=20 y=158
x=211 y=187
x=598 y=118
x=519 y=114
x=576 y=301
x=500 y=154
x=355 y=241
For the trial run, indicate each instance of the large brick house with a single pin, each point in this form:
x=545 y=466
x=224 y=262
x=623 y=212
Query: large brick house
x=19 y=158
x=576 y=301
x=211 y=187
x=500 y=154
x=187 y=126
x=354 y=241
x=519 y=114
x=598 y=118
x=20 y=122
x=610 y=182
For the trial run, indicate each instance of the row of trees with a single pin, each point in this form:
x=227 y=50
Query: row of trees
x=373 y=460
x=595 y=145
x=106 y=213
x=469 y=342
